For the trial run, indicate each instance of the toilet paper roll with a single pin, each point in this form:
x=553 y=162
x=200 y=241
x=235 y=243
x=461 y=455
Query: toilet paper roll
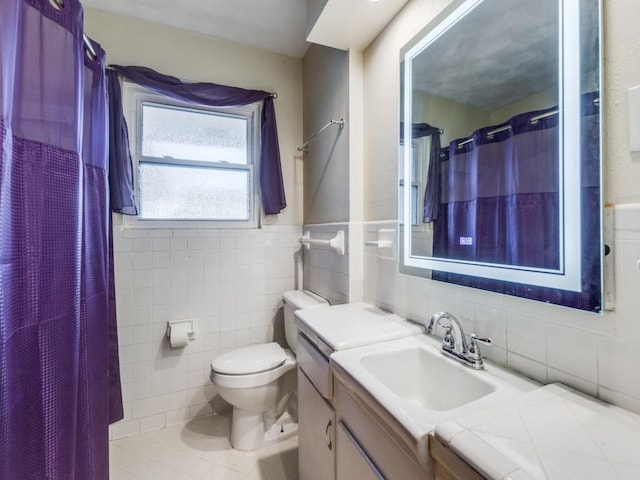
x=179 y=335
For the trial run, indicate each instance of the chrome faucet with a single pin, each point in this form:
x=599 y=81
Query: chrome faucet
x=454 y=341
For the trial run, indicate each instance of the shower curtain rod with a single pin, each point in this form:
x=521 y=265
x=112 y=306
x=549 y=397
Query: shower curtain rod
x=491 y=133
x=340 y=123
x=532 y=120
x=87 y=43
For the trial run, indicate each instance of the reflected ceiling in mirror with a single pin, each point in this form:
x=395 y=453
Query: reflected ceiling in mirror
x=490 y=64
x=502 y=109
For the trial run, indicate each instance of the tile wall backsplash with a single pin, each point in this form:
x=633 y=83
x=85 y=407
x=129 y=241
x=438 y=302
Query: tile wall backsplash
x=597 y=354
x=230 y=281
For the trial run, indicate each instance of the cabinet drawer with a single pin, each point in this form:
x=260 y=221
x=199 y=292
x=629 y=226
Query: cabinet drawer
x=390 y=459
x=316 y=433
x=351 y=459
x=316 y=366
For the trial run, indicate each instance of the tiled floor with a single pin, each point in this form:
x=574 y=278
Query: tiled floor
x=199 y=450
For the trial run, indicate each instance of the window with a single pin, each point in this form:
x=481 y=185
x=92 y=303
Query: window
x=194 y=166
x=418 y=184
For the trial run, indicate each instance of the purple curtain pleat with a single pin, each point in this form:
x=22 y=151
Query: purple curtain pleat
x=271 y=183
x=120 y=166
x=210 y=94
x=98 y=236
x=431 y=204
x=116 y=408
x=55 y=265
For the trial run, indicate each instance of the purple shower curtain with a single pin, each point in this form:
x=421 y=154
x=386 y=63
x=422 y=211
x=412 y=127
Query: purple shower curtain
x=59 y=382
x=502 y=194
x=506 y=209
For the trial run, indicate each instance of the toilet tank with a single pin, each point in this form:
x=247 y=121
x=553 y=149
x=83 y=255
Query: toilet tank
x=296 y=300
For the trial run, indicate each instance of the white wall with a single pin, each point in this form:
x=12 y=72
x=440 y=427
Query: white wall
x=597 y=354
x=333 y=170
x=229 y=281
x=196 y=57
x=458 y=120
x=326 y=272
x=326 y=96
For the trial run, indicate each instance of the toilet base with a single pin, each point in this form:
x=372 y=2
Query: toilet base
x=248 y=430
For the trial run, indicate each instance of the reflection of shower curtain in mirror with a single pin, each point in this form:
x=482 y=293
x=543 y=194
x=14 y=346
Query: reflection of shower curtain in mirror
x=499 y=204
x=501 y=196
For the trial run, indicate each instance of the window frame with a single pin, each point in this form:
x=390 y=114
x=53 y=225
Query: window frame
x=134 y=97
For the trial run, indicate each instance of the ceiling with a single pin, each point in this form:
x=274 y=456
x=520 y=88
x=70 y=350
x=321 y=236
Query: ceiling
x=279 y=26
x=273 y=25
x=346 y=24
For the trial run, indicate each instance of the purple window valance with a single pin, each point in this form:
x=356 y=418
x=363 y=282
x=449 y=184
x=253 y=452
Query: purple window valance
x=213 y=95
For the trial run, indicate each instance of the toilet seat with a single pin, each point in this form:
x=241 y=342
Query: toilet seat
x=250 y=359
x=255 y=379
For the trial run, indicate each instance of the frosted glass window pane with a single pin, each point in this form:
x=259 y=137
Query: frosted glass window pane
x=193 y=193
x=189 y=135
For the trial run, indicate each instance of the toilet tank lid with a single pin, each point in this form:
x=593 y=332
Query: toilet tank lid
x=304 y=299
x=250 y=359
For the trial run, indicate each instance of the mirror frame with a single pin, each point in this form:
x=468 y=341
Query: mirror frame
x=568 y=275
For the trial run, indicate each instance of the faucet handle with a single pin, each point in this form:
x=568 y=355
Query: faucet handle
x=447 y=340
x=484 y=340
x=473 y=350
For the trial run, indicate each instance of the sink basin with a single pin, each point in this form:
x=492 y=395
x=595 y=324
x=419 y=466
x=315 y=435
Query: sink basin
x=426 y=379
x=419 y=387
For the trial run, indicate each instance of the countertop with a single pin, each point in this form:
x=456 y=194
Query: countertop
x=549 y=432
x=552 y=432
x=351 y=325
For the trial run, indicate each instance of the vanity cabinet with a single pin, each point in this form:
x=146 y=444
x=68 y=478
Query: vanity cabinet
x=367 y=444
x=352 y=462
x=316 y=416
x=336 y=441
x=338 y=436
x=448 y=465
x=316 y=432
x=327 y=450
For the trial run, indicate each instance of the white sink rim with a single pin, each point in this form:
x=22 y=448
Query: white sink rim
x=429 y=381
x=419 y=422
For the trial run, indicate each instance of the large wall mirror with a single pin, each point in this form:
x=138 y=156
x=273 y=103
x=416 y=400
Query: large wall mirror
x=500 y=172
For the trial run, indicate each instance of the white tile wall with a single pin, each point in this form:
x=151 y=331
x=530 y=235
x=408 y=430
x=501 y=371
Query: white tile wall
x=230 y=281
x=325 y=272
x=597 y=354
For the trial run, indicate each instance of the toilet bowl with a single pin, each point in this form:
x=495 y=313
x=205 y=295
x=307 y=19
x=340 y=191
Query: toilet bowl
x=259 y=381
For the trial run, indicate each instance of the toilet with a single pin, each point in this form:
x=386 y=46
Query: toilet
x=260 y=382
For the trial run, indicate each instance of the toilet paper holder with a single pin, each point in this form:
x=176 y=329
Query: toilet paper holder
x=191 y=333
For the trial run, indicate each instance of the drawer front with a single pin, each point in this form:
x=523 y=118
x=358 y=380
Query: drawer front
x=316 y=433
x=315 y=366
x=352 y=462
x=390 y=459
